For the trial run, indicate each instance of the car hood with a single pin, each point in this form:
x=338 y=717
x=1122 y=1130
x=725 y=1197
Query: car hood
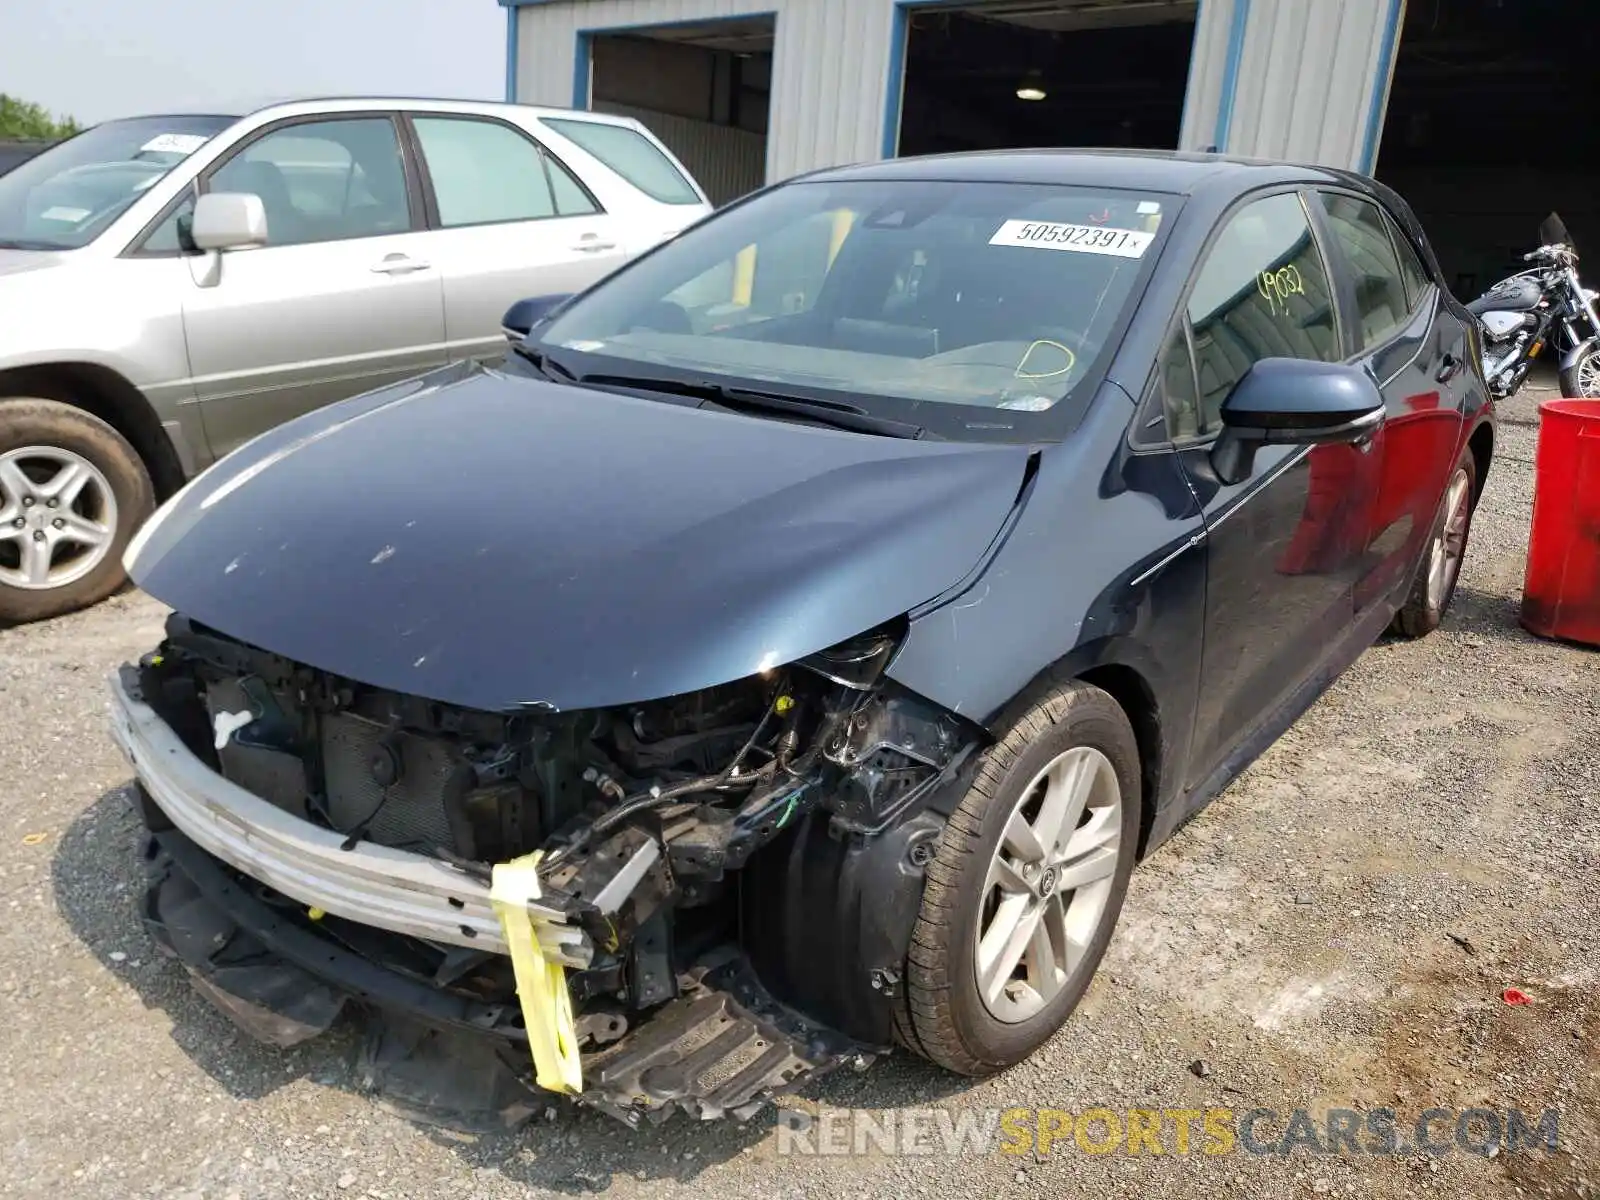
x=19 y=262
x=497 y=542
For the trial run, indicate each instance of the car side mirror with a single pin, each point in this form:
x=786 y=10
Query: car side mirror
x=522 y=316
x=1294 y=402
x=228 y=221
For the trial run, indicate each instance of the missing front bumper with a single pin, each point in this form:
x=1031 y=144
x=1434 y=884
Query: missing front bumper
x=374 y=885
x=724 y=1048
x=284 y=925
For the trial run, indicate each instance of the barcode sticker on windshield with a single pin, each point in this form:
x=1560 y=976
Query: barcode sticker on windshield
x=1084 y=239
x=175 y=143
x=62 y=213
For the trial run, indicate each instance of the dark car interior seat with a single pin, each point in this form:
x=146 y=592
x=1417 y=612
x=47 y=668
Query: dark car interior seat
x=264 y=179
x=375 y=199
x=981 y=294
x=377 y=205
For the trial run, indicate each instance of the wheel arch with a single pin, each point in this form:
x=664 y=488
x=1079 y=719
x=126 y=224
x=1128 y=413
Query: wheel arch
x=1481 y=443
x=104 y=393
x=1102 y=665
x=1137 y=699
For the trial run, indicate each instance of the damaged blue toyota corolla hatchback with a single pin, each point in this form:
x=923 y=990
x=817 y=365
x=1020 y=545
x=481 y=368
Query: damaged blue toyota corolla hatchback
x=788 y=651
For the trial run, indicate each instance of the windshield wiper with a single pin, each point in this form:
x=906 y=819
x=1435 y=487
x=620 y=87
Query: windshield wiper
x=543 y=363
x=26 y=244
x=748 y=400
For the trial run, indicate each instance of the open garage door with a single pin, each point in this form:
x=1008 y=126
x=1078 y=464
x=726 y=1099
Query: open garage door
x=1490 y=127
x=1018 y=73
x=702 y=88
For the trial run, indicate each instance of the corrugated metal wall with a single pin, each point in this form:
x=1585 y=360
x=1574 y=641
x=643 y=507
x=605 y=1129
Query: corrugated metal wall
x=1207 y=74
x=1308 y=78
x=828 y=72
x=829 y=81
x=728 y=162
x=1302 y=77
x=547 y=35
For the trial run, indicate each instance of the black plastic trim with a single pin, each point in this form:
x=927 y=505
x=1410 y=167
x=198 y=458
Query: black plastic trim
x=317 y=956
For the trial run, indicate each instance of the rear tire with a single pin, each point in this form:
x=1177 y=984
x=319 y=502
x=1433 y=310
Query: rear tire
x=964 y=1007
x=72 y=494
x=1432 y=592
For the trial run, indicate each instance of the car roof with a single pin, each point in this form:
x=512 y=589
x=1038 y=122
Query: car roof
x=300 y=105
x=1179 y=172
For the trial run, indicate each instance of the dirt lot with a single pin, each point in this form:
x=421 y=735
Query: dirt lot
x=1306 y=939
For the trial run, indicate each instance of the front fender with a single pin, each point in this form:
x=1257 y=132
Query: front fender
x=1584 y=348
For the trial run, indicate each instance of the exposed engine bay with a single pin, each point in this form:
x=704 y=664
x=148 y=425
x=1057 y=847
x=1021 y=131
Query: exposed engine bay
x=746 y=860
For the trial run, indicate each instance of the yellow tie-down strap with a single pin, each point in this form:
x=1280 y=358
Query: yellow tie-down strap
x=541 y=984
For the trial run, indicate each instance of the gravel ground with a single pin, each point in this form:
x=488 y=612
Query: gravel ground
x=1299 y=939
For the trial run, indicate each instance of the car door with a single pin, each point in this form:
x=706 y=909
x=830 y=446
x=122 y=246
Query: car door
x=1417 y=352
x=1279 y=558
x=340 y=300
x=508 y=220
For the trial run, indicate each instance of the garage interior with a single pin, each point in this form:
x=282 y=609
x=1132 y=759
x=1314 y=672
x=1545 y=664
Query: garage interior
x=1490 y=128
x=702 y=88
x=1018 y=73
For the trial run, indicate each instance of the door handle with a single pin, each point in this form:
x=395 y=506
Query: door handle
x=591 y=243
x=399 y=264
x=1449 y=367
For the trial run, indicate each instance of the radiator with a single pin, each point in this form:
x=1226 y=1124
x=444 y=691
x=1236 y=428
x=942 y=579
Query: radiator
x=411 y=812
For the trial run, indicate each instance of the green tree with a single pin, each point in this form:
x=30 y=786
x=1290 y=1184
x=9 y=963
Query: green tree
x=20 y=119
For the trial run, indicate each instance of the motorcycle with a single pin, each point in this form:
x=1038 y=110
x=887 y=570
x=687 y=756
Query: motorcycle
x=1546 y=305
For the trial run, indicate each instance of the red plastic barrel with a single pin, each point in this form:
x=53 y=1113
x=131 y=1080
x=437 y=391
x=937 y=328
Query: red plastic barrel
x=1561 y=589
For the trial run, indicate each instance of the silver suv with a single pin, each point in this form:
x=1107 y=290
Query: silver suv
x=173 y=285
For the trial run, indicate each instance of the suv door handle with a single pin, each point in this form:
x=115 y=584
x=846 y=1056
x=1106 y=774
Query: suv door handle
x=1449 y=367
x=399 y=264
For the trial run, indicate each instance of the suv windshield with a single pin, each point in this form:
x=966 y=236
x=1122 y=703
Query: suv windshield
x=65 y=197
x=908 y=297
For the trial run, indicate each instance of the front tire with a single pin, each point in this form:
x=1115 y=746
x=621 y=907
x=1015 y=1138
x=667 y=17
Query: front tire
x=72 y=493
x=1024 y=892
x=1581 y=381
x=1435 y=584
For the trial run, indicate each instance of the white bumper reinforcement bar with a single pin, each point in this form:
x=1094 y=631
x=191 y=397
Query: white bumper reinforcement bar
x=375 y=885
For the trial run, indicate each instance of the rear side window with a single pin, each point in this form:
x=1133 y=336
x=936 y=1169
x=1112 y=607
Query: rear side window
x=1411 y=268
x=571 y=198
x=1381 y=304
x=483 y=172
x=633 y=156
x=1262 y=292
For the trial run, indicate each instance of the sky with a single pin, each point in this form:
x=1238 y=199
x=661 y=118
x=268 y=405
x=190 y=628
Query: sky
x=94 y=59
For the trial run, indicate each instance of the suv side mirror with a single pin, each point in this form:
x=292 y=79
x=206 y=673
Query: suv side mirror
x=228 y=221
x=1294 y=402
x=525 y=314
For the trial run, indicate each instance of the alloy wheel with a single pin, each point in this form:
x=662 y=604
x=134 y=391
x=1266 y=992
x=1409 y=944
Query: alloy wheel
x=1048 y=884
x=1444 y=559
x=1588 y=375
x=58 y=517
